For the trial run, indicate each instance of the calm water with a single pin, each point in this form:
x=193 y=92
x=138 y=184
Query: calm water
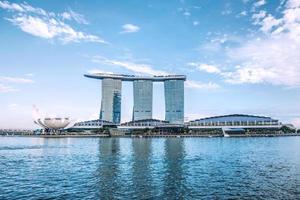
x=125 y=168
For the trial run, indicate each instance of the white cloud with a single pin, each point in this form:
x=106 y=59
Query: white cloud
x=206 y=67
x=24 y=8
x=250 y=75
x=35 y=26
x=187 y=13
x=258 y=16
x=6 y=89
x=134 y=67
x=11 y=6
x=48 y=25
x=52 y=29
x=210 y=47
x=200 y=85
x=227 y=10
x=195 y=23
x=223 y=38
x=259 y=3
x=268 y=23
x=293 y=3
x=243 y=13
x=66 y=15
x=99 y=71
x=274 y=61
x=274 y=58
x=15 y=79
x=144 y=69
x=271 y=59
x=130 y=28
x=29 y=74
x=71 y=15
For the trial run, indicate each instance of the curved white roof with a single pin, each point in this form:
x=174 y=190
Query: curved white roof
x=54 y=123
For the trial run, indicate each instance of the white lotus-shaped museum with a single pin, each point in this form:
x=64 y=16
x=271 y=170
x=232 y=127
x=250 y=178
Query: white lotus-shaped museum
x=53 y=123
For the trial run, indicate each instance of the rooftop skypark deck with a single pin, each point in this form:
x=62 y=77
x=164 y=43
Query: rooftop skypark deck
x=124 y=77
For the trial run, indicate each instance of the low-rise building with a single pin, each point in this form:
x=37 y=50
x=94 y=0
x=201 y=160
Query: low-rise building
x=235 y=124
x=91 y=125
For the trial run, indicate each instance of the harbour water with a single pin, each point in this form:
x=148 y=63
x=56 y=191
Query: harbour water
x=150 y=168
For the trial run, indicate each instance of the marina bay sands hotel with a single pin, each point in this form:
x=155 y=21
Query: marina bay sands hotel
x=142 y=96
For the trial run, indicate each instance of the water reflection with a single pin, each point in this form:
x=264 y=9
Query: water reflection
x=171 y=168
x=176 y=168
x=142 y=172
x=174 y=181
x=108 y=170
x=141 y=169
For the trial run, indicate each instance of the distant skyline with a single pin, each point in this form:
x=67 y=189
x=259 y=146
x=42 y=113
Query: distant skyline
x=239 y=56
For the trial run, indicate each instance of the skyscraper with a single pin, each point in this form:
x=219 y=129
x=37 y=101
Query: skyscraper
x=111 y=100
x=174 y=101
x=142 y=98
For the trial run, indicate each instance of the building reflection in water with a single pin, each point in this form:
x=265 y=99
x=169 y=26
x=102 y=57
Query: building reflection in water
x=146 y=170
x=175 y=186
x=142 y=187
x=108 y=171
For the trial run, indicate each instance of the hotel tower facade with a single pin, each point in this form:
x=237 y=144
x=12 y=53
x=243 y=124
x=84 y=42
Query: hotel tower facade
x=142 y=96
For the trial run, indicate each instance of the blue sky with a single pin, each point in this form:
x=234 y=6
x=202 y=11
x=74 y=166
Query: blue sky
x=240 y=56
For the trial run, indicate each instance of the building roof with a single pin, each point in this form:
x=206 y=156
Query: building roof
x=94 y=121
x=135 y=78
x=146 y=121
x=234 y=117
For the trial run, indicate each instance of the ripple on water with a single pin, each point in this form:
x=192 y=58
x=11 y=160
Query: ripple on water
x=173 y=168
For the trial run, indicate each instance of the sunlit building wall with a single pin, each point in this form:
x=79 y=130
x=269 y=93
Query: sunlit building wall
x=111 y=100
x=142 y=97
x=174 y=101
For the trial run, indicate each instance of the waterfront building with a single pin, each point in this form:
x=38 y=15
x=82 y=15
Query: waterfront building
x=150 y=126
x=174 y=101
x=235 y=120
x=111 y=100
x=143 y=96
x=90 y=125
x=235 y=124
x=53 y=123
x=145 y=123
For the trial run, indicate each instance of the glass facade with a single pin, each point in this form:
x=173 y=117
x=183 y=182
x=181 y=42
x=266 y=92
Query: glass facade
x=142 y=96
x=174 y=101
x=111 y=100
